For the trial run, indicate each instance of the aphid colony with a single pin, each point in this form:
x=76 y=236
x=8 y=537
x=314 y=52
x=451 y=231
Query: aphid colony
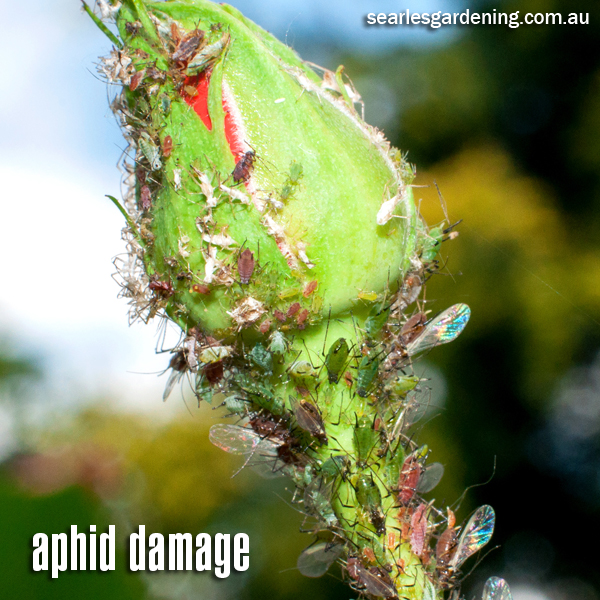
x=331 y=406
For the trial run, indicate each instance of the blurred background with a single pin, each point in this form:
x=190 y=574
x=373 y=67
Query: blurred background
x=506 y=121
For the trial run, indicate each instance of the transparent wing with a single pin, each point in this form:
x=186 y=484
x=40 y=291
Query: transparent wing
x=496 y=589
x=315 y=560
x=445 y=328
x=430 y=477
x=234 y=439
x=261 y=454
x=174 y=378
x=476 y=535
x=429 y=592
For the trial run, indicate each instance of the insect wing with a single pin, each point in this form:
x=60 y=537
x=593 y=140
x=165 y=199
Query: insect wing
x=443 y=329
x=476 y=535
x=496 y=589
x=174 y=378
x=429 y=592
x=430 y=477
x=315 y=560
x=234 y=439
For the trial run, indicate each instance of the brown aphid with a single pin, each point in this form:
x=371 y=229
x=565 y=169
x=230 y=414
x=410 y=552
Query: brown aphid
x=369 y=554
x=175 y=35
x=302 y=391
x=136 y=80
x=187 y=47
x=167 y=146
x=408 y=480
x=201 y=288
x=301 y=318
x=413 y=328
x=310 y=288
x=245 y=266
x=348 y=379
x=163 y=289
x=214 y=372
x=418 y=527
x=293 y=309
x=145 y=198
x=184 y=275
x=243 y=167
x=279 y=316
x=446 y=544
x=141 y=174
x=375 y=581
x=309 y=418
x=265 y=326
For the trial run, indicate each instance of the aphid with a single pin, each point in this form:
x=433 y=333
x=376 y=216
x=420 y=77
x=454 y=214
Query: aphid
x=136 y=80
x=310 y=288
x=315 y=560
x=212 y=354
x=446 y=544
x=245 y=266
x=336 y=465
x=293 y=309
x=279 y=343
x=201 y=288
x=409 y=292
x=317 y=500
x=301 y=369
x=365 y=438
x=167 y=146
x=279 y=316
x=262 y=358
x=376 y=320
x=369 y=497
x=476 y=535
x=430 y=477
x=187 y=46
x=412 y=328
x=367 y=296
x=367 y=371
x=309 y=418
x=409 y=478
x=265 y=326
x=496 y=589
x=301 y=318
x=288 y=293
x=393 y=465
x=236 y=404
x=296 y=173
x=145 y=198
x=178 y=365
x=401 y=385
x=369 y=554
x=336 y=359
x=213 y=372
x=418 y=526
x=445 y=328
x=150 y=151
x=244 y=166
x=375 y=581
x=164 y=289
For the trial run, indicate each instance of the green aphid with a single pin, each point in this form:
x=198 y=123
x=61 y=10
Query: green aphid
x=431 y=244
x=150 y=150
x=262 y=358
x=317 y=497
x=336 y=465
x=261 y=394
x=393 y=466
x=286 y=191
x=296 y=173
x=369 y=497
x=302 y=369
x=402 y=385
x=279 y=343
x=376 y=320
x=236 y=404
x=336 y=359
x=365 y=438
x=165 y=103
x=367 y=371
